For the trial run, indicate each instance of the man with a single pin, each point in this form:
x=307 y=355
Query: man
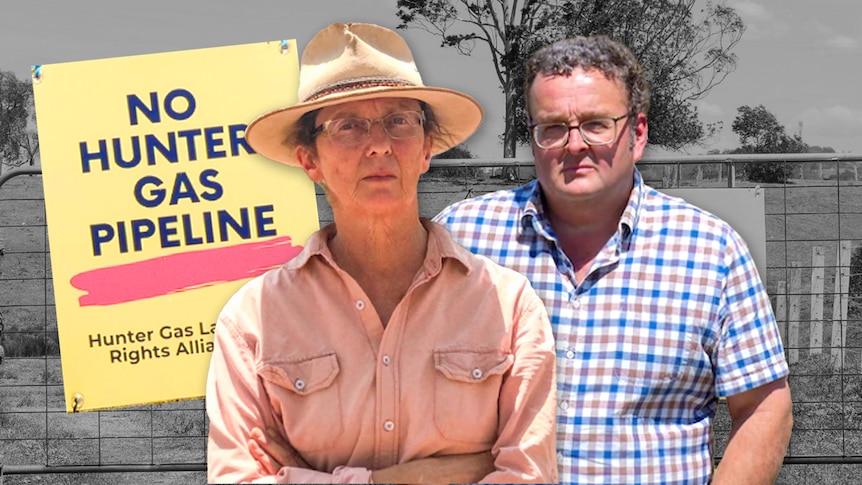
x=656 y=305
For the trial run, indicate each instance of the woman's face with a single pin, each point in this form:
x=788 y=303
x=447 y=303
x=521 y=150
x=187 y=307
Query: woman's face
x=372 y=174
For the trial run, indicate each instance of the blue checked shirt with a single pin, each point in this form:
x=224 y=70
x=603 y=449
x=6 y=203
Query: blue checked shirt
x=671 y=315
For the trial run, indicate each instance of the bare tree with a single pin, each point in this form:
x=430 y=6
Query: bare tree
x=28 y=144
x=685 y=56
x=19 y=143
x=503 y=26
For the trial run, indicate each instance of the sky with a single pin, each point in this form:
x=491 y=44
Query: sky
x=800 y=59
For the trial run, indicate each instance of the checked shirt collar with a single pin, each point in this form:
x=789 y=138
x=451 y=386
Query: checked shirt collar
x=534 y=220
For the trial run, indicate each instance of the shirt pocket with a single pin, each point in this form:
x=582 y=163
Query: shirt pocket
x=467 y=392
x=307 y=394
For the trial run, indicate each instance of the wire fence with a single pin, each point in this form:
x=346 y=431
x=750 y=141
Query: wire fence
x=814 y=278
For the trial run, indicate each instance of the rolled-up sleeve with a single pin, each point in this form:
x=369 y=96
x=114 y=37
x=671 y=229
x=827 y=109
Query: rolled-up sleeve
x=236 y=402
x=525 y=450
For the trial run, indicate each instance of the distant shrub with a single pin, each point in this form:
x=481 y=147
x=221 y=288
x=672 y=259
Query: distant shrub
x=769 y=172
x=5 y=416
x=457 y=173
x=23 y=344
x=847 y=175
x=457 y=152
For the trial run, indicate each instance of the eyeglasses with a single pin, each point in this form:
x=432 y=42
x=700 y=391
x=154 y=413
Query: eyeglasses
x=355 y=130
x=594 y=132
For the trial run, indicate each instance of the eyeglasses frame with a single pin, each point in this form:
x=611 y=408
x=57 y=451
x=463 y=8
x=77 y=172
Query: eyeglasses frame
x=323 y=127
x=532 y=127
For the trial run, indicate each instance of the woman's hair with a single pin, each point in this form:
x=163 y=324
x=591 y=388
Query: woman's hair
x=305 y=130
x=600 y=53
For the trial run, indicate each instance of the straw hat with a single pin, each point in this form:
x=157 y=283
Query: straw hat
x=352 y=62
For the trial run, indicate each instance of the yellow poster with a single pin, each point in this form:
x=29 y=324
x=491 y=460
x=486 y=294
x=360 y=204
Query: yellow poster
x=158 y=210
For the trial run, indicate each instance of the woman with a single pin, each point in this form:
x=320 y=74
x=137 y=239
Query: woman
x=383 y=351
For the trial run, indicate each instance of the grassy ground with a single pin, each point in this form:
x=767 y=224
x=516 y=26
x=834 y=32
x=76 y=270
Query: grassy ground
x=34 y=430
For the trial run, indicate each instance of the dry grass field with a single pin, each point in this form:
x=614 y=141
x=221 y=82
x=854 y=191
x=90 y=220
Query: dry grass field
x=35 y=430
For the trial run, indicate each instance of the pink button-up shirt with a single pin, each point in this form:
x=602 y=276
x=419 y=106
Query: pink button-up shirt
x=465 y=364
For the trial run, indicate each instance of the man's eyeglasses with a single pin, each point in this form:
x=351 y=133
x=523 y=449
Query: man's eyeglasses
x=594 y=132
x=355 y=130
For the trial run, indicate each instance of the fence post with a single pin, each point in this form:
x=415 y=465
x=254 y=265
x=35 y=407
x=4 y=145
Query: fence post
x=667 y=176
x=781 y=311
x=840 y=304
x=815 y=345
x=793 y=313
x=731 y=174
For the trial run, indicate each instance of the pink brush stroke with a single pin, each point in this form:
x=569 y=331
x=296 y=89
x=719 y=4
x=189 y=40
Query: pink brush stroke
x=181 y=272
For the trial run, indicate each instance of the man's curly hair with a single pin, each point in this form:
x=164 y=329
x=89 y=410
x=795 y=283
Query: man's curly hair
x=600 y=53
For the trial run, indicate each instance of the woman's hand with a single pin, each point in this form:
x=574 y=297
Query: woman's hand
x=272 y=451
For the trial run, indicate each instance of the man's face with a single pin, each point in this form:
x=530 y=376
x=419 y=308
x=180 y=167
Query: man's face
x=578 y=173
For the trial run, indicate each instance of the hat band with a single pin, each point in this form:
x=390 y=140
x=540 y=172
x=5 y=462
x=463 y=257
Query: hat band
x=362 y=83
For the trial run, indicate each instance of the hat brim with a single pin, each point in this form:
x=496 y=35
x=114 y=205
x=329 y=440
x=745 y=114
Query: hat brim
x=457 y=114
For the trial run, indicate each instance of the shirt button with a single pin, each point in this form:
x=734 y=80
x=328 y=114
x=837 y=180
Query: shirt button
x=477 y=373
x=570 y=354
x=386 y=360
x=559 y=456
x=576 y=304
x=299 y=384
x=388 y=425
x=564 y=405
x=360 y=304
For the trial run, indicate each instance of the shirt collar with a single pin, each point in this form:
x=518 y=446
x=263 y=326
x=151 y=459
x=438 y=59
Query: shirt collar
x=532 y=212
x=629 y=218
x=440 y=247
x=315 y=246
